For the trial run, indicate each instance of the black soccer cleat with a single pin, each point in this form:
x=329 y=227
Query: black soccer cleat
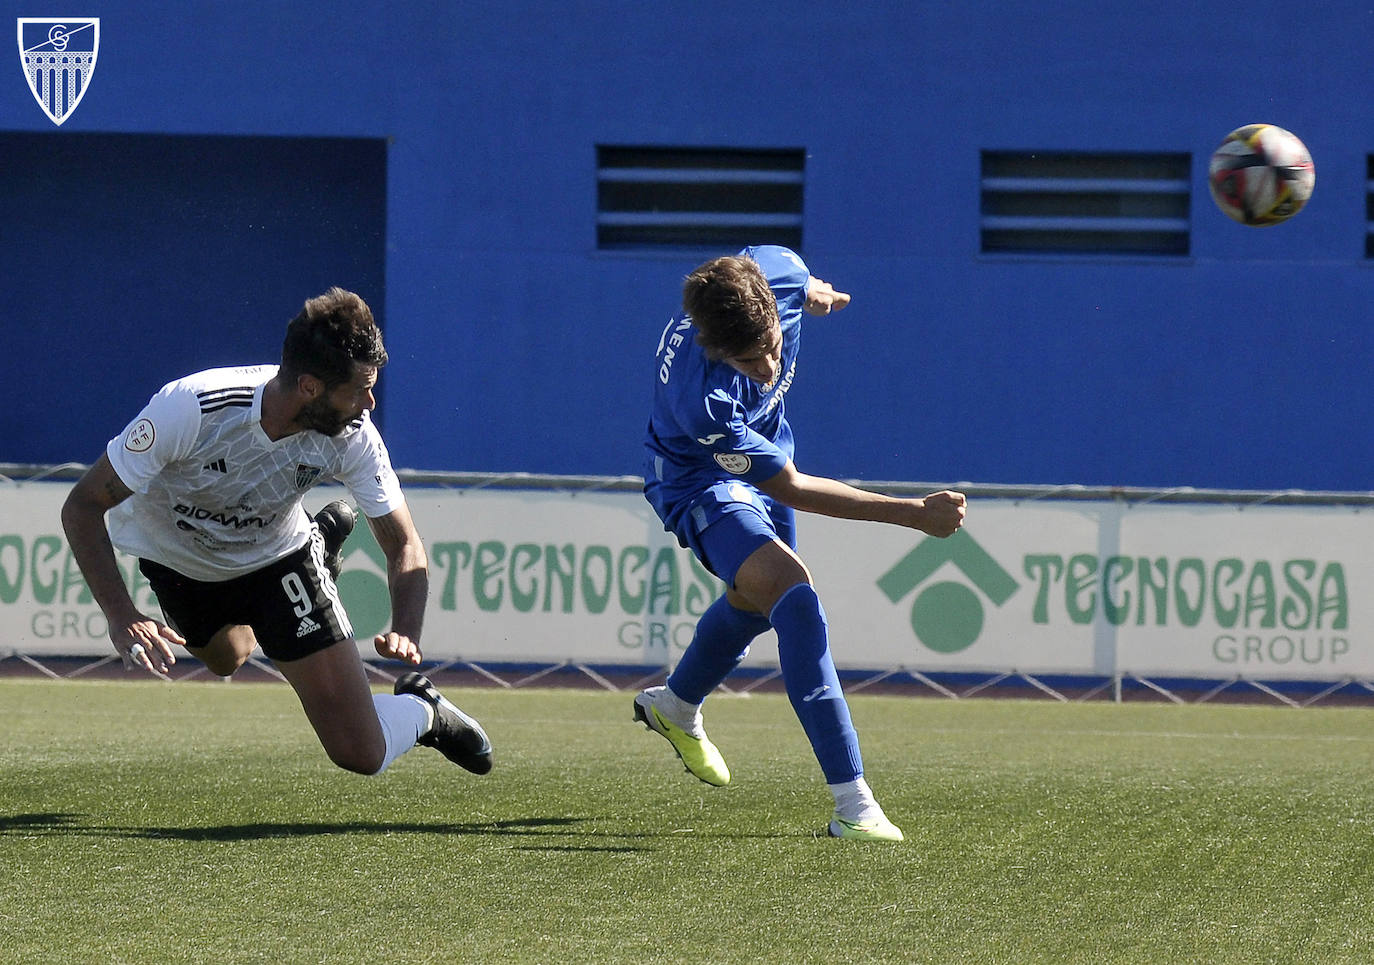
x=335 y=522
x=454 y=734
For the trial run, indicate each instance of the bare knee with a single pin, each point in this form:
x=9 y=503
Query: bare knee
x=227 y=651
x=354 y=748
x=767 y=573
x=356 y=760
x=218 y=664
x=334 y=693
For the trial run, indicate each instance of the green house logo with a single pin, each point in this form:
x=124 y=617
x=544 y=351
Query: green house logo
x=947 y=616
x=363 y=586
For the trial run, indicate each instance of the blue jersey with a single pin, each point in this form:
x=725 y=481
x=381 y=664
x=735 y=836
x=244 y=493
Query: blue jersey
x=709 y=422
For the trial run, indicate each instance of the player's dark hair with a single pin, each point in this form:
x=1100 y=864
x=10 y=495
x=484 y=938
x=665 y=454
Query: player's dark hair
x=731 y=305
x=333 y=331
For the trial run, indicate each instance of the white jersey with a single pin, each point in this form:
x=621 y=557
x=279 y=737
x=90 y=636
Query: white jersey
x=214 y=497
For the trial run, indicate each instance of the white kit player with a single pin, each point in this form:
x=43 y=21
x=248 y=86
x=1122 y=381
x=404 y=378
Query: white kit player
x=205 y=487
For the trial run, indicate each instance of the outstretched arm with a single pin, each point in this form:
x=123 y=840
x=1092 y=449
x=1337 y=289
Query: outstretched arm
x=83 y=520
x=407 y=576
x=938 y=514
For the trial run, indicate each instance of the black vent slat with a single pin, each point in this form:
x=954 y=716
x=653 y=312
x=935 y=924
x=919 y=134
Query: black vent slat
x=1078 y=203
x=649 y=197
x=1369 y=206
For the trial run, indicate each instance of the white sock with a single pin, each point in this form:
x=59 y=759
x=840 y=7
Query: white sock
x=854 y=800
x=685 y=715
x=404 y=718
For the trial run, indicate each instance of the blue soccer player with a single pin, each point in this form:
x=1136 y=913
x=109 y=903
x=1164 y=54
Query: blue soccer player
x=720 y=475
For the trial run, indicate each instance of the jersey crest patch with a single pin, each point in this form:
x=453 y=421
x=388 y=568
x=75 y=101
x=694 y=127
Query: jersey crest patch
x=306 y=475
x=140 y=436
x=734 y=462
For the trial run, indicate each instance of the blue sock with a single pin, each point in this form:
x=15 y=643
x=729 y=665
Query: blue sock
x=813 y=685
x=722 y=638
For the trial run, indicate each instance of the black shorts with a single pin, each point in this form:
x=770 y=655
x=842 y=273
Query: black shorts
x=292 y=605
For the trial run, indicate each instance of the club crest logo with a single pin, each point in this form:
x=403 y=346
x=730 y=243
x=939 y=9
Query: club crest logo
x=58 y=57
x=306 y=475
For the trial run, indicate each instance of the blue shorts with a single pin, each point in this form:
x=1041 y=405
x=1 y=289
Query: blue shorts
x=728 y=522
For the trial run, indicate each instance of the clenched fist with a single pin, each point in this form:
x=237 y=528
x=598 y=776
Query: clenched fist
x=942 y=513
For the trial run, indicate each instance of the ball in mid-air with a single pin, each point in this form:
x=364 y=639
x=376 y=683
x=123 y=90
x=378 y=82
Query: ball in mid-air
x=1261 y=175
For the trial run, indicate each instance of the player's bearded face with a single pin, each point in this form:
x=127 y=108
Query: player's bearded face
x=321 y=416
x=329 y=413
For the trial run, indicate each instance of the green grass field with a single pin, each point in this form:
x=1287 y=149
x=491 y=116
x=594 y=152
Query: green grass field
x=199 y=822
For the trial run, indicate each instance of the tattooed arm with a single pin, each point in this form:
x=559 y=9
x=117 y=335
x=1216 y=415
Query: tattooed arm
x=83 y=520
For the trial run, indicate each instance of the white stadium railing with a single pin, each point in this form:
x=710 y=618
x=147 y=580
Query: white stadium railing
x=1069 y=592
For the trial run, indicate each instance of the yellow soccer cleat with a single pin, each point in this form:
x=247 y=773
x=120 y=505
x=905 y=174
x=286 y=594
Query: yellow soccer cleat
x=701 y=758
x=872 y=829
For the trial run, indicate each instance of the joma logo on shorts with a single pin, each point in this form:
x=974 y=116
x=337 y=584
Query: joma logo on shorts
x=234 y=520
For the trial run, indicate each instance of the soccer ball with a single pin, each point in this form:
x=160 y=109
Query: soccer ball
x=1261 y=175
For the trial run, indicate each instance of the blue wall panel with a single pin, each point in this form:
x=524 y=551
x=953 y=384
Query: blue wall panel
x=517 y=346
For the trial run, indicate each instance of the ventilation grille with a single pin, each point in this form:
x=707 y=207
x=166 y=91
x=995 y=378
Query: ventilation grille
x=1369 y=207
x=1085 y=203
x=686 y=197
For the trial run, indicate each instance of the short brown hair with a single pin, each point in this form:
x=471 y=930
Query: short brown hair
x=731 y=305
x=332 y=332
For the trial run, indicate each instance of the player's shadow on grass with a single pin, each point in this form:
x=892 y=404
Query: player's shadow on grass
x=33 y=825
x=54 y=823
x=29 y=825
x=531 y=828
x=264 y=830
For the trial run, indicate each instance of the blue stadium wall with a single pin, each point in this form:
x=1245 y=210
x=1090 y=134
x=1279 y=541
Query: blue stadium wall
x=229 y=160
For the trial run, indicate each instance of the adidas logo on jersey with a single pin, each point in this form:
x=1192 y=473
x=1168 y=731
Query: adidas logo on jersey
x=216 y=466
x=307 y=626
